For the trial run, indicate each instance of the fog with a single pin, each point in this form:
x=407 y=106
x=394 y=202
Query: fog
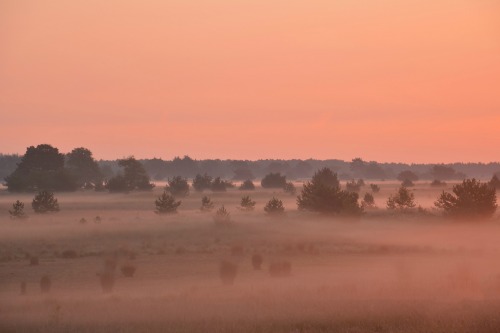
x=379 y=273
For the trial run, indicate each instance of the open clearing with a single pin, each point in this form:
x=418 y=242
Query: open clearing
x=379 y=273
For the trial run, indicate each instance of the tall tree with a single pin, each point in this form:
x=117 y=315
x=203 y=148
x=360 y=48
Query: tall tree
x=41 y=168
x=83 y=167
x=134 y=177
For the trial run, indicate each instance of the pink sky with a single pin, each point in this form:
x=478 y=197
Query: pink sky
x=411 y=81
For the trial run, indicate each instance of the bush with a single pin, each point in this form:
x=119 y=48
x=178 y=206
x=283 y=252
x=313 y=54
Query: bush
x=17 y=211
x=166 y=204
x=274 y=207
x=257 y=261
x=247 y=185
x=134 y=177
x=280 y=269
x=201 y=183
x=178 y=187
x=222 y=216
x=227 y=272
x=438 y=183
x=273 y=180
x=403 y=199
x=368 y=201
x=470 y=199
x=407 y=183
x=323 y=194
x=290 y=188
x=45 y=202
x=220 y=185
x=206 y=204
x=247 y=203
x=69 y=254
x=375 y=188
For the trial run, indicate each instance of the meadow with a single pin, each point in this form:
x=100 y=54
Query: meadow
x=381 y=272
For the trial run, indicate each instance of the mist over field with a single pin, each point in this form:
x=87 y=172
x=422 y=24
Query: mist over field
x=381 y=272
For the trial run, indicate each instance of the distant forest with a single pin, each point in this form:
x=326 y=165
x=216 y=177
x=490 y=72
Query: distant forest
x=296 y=169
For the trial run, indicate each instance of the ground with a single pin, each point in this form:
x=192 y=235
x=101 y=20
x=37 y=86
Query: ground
x=379 y=273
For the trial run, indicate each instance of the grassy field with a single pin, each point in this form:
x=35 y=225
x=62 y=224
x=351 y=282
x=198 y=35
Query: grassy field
x=379 y=273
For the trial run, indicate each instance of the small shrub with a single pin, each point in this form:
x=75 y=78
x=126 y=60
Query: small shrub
x=257 y=261
x=273 y=180
x=128 y=270
x=97 y=219
x=290 y=188
x=219 y=185
x=166 y=204
x=247 y=185
x=368 y=201
x=375 y=188
x=17 y=211
x=438 y=183
x=407 y=183
x=107 y=281
x=206 y=204
x=178 y=187
x=403 y=199
x=247 y=203
x=45 y=284
x=280 y=269
x=274 y=207
x=45 y=202
x=83 y=220
x=228 y=272
x=222 y=216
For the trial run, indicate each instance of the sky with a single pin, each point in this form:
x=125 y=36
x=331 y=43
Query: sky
x=386 y=80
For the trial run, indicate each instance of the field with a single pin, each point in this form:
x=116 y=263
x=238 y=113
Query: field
x=378 y=273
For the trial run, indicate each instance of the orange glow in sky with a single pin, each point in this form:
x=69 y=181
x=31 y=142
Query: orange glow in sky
x=388 y=80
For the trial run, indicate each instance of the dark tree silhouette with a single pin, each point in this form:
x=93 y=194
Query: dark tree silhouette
x=407 y=183
x=368 y=201
x=290 y=188
x=220 y=185
x=83 y=167
x=323 y=194
x=247 y=203
x=470 y=199
x=438 y=183
x=201 y=183
x=352 y=186
x=273 y=180
x=166 y=204
x=17 y=211
x=247 y=185
x=41 y=168
x=274 y=207
x=375 y=188
x=134 y=177
x=443 y=172
x=404 y=199
x=222 y=216
x=206 y=204
x=178 y=186
x=407 y=174
x=45 y=202
x=243 y=173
